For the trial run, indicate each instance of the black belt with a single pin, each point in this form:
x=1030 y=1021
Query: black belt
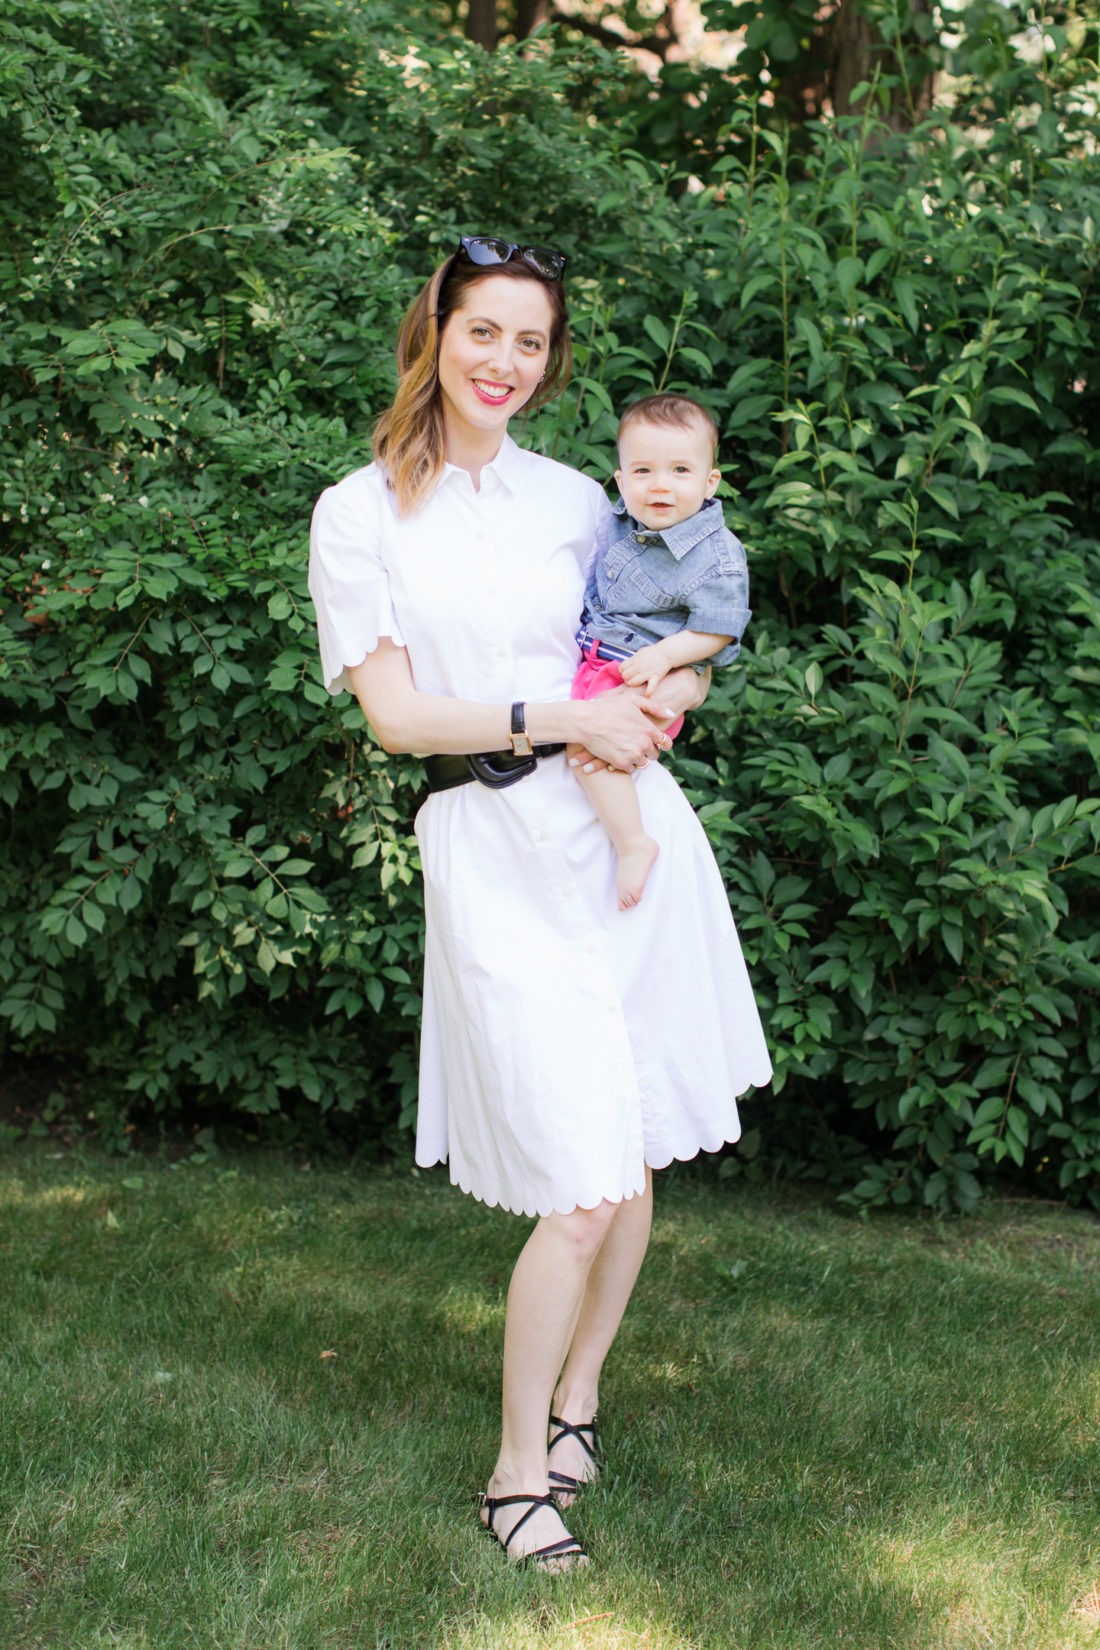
x=496 y=769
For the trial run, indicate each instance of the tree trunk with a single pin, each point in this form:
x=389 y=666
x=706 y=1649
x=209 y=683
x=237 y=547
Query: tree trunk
x=857 y=49
x=529 y=14
x=854 y=53
x=481 y=23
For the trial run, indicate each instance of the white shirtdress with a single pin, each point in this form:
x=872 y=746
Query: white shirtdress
x=565 y=1043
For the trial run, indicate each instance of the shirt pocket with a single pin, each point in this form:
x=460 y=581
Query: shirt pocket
x=647 y=594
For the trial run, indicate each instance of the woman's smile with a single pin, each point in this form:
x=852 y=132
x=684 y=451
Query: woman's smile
x=492 y=393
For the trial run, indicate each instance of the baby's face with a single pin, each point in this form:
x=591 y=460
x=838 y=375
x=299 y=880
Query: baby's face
x=665 y=474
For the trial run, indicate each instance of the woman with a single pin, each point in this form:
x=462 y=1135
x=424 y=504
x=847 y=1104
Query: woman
x=568 y=1048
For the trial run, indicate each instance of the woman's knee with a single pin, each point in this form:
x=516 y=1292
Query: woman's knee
x=585 y=1229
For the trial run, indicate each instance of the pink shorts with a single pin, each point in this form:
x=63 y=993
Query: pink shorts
x=596 y=675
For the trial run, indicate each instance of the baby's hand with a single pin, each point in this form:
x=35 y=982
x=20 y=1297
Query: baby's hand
x=647 y=668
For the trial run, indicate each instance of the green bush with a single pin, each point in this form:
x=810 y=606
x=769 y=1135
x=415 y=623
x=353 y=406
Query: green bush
x=210 y=890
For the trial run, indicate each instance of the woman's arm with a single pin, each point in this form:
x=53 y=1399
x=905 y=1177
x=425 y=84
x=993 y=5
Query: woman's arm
x=613 y=727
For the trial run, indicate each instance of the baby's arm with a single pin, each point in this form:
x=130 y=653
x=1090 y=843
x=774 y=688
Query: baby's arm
x=650 y=665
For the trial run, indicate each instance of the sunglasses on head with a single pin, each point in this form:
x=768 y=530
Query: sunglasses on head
x=487 y=250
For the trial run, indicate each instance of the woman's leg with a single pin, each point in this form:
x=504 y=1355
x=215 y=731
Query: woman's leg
x=610 y=1282
x=544 y=1299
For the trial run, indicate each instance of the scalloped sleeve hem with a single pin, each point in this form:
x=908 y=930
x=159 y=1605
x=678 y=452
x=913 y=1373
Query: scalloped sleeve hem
x=348 y=580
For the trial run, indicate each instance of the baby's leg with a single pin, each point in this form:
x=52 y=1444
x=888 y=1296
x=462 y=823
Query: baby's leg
x=616 y=802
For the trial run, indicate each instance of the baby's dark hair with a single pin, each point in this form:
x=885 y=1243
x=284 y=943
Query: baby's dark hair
x=679 y=411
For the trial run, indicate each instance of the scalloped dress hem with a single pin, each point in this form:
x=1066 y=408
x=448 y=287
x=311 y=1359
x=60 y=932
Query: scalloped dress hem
x=657 y=1157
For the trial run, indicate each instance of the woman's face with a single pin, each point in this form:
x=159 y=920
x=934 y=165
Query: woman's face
x=492 y=353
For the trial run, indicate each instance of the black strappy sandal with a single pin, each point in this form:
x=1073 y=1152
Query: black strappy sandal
x=547 y=1557
x=560 y=1482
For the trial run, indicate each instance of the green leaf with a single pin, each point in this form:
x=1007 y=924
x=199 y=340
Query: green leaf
x=657 y=331
x=906 y=302
x=848 y=272
x=1008 y=392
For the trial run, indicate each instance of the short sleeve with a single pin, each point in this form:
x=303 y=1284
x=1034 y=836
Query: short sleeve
x=719 y=605
x=347 y=577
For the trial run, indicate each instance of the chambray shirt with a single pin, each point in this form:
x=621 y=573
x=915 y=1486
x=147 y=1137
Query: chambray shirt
x=648 y=584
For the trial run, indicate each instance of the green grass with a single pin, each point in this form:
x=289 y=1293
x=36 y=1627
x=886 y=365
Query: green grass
x=820 y=1432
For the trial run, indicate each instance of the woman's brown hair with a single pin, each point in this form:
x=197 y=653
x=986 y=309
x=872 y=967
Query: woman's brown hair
x=409 y=436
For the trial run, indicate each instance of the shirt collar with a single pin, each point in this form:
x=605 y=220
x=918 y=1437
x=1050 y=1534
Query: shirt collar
x=682 y=536
x=506 y=469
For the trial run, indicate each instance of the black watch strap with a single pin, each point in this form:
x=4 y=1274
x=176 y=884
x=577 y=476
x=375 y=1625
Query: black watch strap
x=521 y=743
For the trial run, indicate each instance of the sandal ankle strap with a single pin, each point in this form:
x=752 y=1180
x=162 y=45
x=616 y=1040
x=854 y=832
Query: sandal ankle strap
x=575 y=1429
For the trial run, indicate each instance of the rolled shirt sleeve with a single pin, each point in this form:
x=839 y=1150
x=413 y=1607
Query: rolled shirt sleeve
x=719 y=606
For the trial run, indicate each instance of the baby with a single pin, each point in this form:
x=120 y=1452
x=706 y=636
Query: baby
x=669 y=588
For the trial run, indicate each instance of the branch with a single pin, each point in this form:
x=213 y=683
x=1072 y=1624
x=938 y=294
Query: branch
x=658 y=44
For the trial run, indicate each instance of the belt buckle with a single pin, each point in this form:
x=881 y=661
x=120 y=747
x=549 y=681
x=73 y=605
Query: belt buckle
x=499 y=769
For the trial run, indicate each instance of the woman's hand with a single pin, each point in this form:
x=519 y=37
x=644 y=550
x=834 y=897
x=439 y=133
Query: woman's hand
x=617 y=732
x=681 y=690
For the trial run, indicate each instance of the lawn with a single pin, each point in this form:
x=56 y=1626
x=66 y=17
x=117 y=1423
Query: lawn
x=247 y=1404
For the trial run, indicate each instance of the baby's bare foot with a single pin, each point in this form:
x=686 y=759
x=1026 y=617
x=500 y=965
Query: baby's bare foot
x=634 y=866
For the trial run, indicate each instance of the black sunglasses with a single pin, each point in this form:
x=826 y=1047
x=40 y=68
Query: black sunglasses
x=487 y=250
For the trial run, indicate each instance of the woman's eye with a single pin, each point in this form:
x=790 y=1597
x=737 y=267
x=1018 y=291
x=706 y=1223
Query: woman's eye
x=481 y=332
x=531 y=344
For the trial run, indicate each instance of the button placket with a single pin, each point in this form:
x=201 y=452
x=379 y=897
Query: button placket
x=498 y=651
